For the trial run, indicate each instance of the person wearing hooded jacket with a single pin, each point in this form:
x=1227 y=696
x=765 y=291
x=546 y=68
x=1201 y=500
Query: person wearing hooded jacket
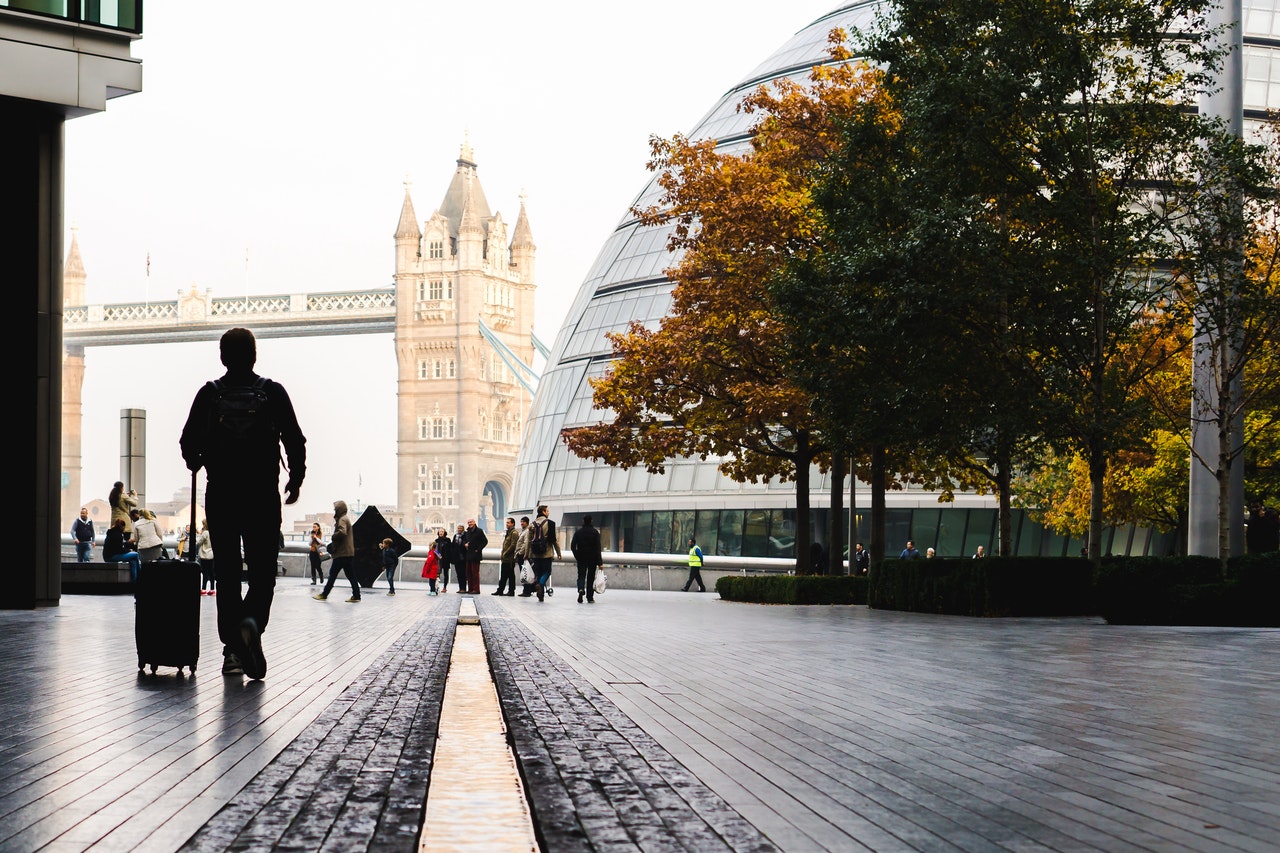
x=344 y=554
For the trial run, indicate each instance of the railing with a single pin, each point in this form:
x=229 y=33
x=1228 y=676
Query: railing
x=131 y=312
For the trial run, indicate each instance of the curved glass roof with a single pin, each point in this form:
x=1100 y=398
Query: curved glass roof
x=627 y=283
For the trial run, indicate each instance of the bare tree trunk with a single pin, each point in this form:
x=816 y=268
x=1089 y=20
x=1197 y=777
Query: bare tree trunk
x=835 y=521
x=1003 y=488
x=879 y=469
x=803 y=458
x=1097 y=481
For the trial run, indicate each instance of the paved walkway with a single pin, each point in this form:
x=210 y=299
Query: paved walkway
x=649 y=721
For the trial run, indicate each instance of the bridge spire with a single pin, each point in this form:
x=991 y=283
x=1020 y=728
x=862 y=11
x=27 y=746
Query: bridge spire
x=407 y=228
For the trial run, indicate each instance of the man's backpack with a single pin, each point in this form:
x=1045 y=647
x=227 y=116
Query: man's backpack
x=538 y=544
x=242 y=412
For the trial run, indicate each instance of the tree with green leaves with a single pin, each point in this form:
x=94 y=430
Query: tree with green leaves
x=1062 y=124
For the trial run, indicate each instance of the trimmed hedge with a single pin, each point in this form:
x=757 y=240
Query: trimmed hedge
x=1190 y=591
x=793 y=589
x=994 y=586
x=1123 y=590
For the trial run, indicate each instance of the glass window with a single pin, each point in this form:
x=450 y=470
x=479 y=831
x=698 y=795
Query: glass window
x=731 y=526
x=897 y=530
x=682 y=528
x=755 y=534
x=662 y=532
x=707 y=528
x=981 y=531
x=1030 y=535
x=642 y=535
x=924 y=528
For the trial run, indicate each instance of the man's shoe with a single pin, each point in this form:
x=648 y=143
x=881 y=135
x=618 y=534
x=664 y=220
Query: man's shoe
x=525 y=594
x=511 y=593
x=591 y=601
x=320 y=596
x=231 y=664
x=580 y=596
x=353 y=599
x=497 y=592
x=255 y=665
x=393 y=592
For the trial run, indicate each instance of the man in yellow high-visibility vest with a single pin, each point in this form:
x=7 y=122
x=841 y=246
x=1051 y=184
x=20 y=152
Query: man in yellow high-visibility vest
x=695 y=567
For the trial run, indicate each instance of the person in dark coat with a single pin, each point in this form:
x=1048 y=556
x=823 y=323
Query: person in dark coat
x=476 y=540
x=443 y=548
x=241 y=458
x=586 y=549
x=458 y=559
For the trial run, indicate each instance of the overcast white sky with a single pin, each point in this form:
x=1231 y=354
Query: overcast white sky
x=268 y=150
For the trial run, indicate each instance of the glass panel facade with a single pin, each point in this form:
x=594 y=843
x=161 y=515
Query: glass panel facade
x=627 y=283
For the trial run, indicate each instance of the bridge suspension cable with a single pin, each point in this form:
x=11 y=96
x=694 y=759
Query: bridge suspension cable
x=517 y=367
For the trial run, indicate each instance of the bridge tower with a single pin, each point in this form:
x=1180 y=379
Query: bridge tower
x=73 y=290
x=460 y=410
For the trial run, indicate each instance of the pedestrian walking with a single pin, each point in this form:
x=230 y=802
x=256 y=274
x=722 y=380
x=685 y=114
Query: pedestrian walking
x=235 y=431
x=315 y=554
x=528 y=582
x=861 y=559
x=390 y=559
x=507 y=559
x=586 y=549
x=343 y=549
x=544 y=549
x=695 y=567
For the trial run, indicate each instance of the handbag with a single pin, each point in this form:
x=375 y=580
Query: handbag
x=524 y=574
x=601 y=581
x=330 y=548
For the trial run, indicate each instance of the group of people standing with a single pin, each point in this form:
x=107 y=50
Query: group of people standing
x=533 y=541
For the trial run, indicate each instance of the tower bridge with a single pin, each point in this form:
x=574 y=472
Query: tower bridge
x=460 y=309
x=199 y=316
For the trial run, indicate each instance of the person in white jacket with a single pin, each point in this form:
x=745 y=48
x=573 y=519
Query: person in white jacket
x=146 y=533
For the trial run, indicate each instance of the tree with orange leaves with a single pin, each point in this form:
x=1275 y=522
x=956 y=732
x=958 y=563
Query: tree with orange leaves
x=712 y=380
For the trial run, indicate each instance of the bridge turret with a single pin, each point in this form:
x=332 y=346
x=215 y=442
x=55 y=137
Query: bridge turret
x=73 y=274
x=470 y=235
x=408 y=236
x=522 y=247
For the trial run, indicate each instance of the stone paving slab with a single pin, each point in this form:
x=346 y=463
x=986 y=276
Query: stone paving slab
x=651 y=721
x=356 y=778
x=845 y=728
x=596 y=781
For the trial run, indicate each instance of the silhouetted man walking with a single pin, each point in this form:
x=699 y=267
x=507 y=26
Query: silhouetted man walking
x=234 y=431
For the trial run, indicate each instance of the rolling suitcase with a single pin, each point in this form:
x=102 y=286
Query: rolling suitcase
x=166 y=622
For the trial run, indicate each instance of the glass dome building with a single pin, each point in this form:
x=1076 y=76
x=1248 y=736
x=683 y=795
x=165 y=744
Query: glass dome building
x=655 y=513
